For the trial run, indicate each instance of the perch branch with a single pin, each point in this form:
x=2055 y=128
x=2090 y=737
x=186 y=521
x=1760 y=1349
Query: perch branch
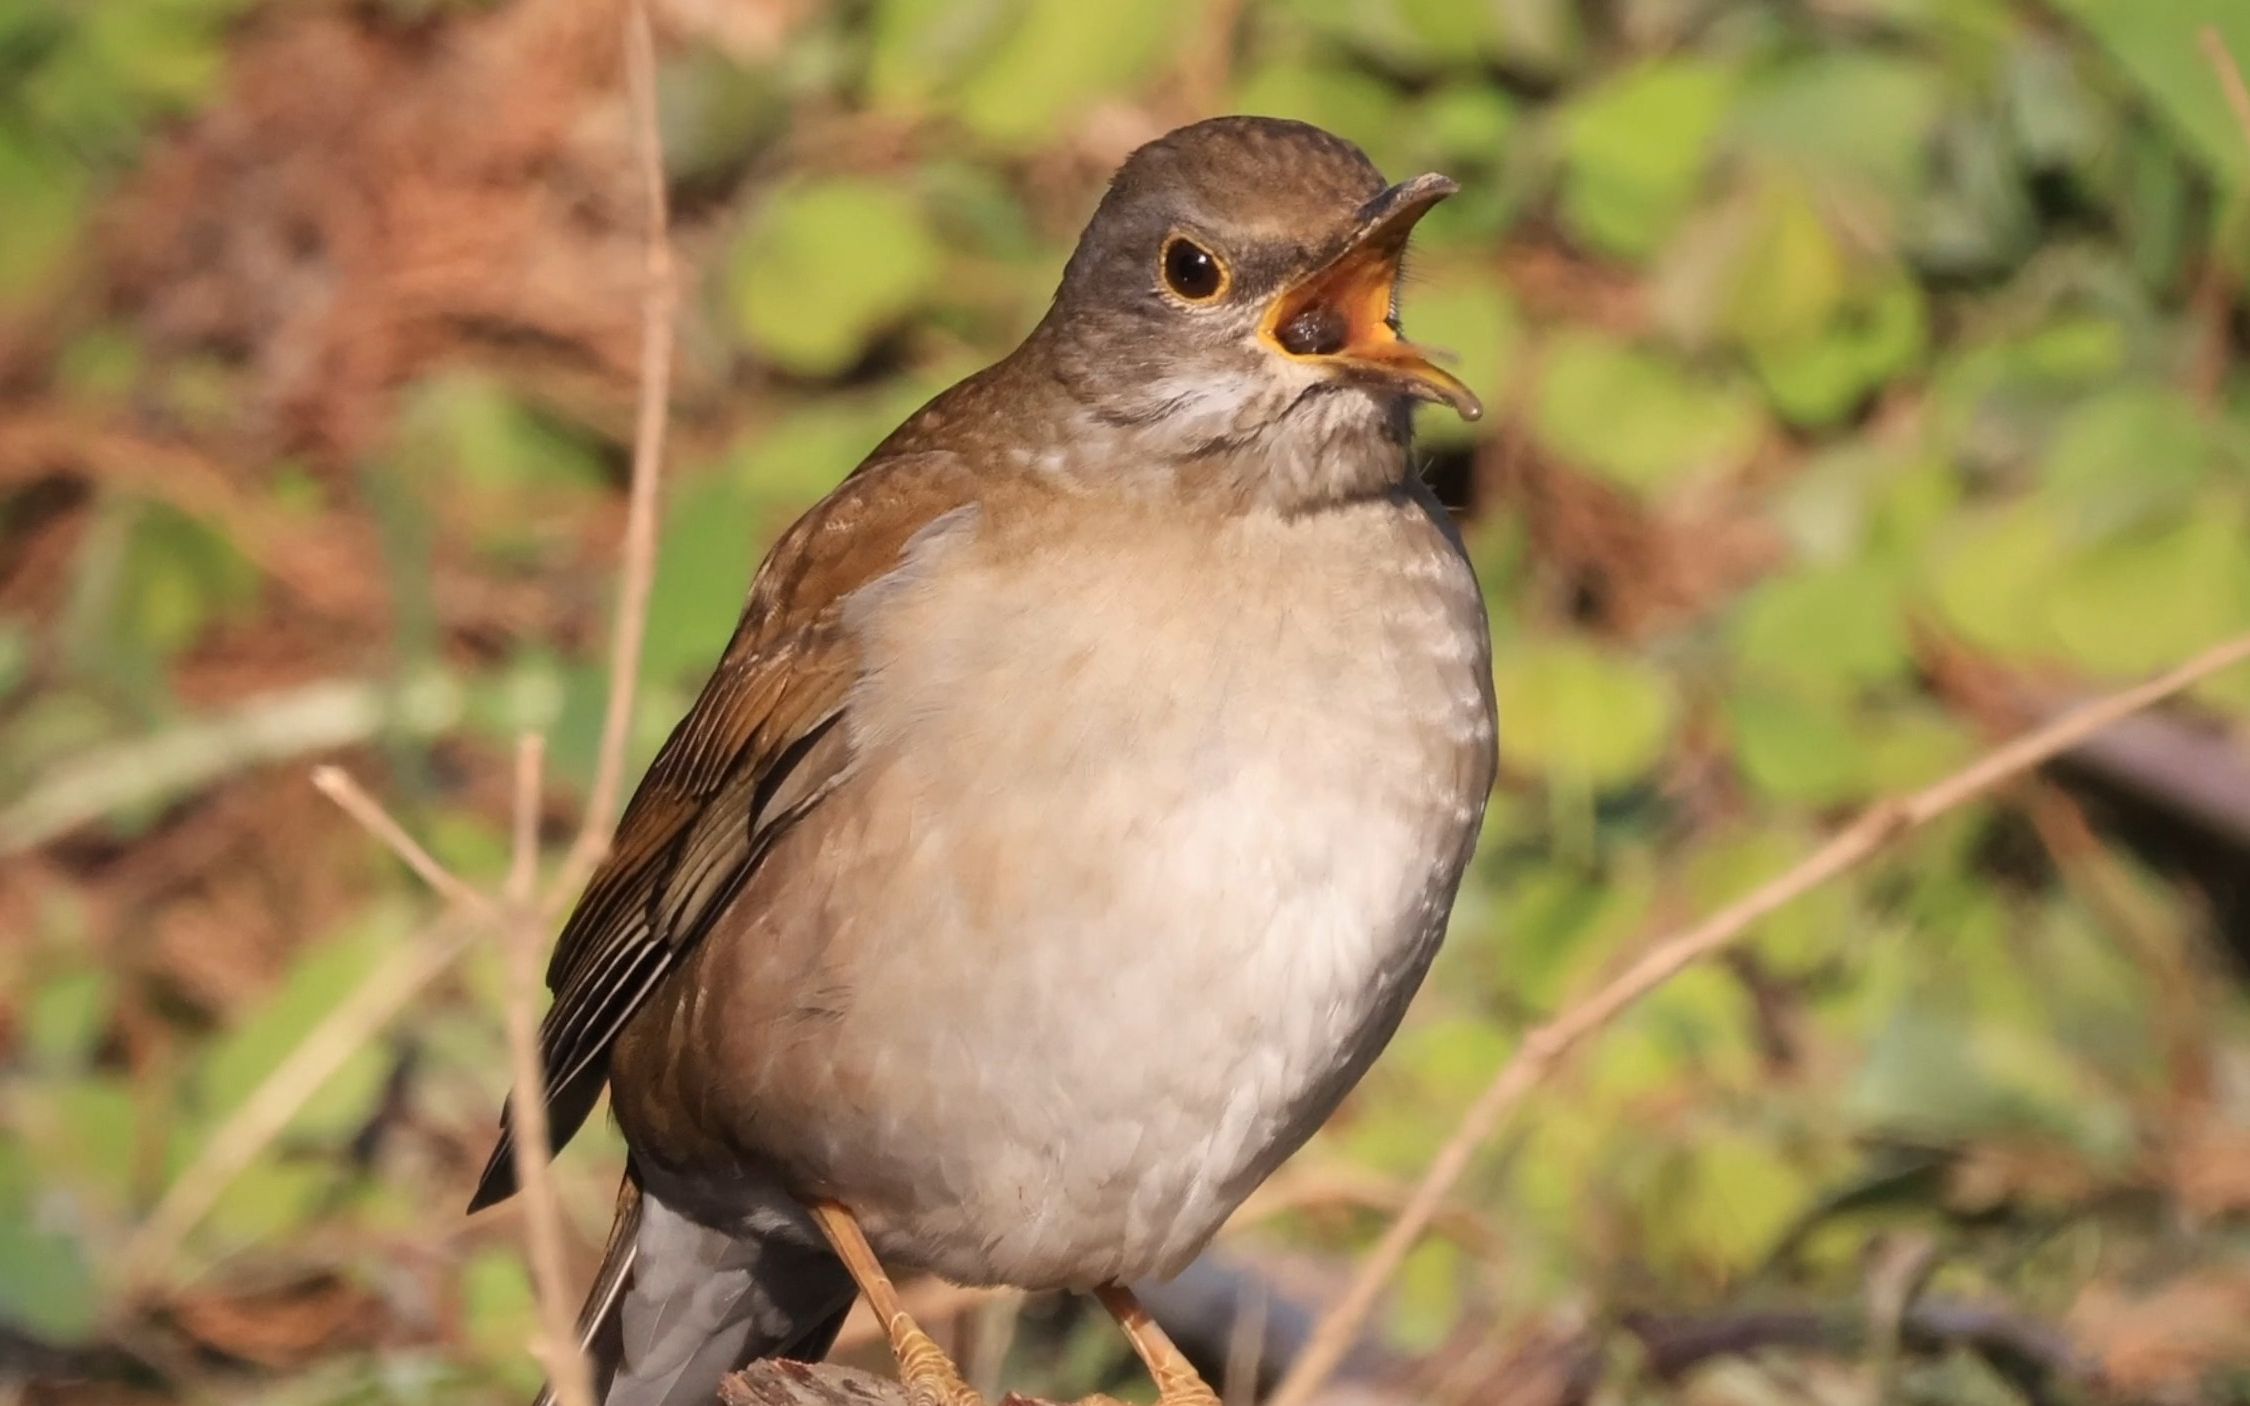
x=772 y=1383
x=1546 y=1046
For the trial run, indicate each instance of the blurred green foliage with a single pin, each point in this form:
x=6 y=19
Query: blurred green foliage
x=1850 y=337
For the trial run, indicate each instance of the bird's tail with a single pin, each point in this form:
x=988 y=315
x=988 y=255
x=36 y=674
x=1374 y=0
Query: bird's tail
x=677 y=1305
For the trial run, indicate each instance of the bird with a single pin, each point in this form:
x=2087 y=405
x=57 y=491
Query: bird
x=1078 y=802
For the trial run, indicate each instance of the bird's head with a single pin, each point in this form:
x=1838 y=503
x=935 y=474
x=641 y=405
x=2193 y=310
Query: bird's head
x=1239 y=284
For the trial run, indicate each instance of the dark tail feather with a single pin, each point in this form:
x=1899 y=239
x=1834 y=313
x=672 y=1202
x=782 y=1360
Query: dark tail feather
x=678 y=1305
x=567 y=1108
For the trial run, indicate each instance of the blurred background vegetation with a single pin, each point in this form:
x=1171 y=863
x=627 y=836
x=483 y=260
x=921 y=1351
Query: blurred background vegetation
x=1867 y=382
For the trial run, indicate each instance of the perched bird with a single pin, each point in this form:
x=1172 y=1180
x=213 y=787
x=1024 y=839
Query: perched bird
x=1076 y=807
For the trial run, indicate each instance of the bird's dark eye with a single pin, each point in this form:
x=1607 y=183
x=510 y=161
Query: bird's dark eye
x=1193 y=271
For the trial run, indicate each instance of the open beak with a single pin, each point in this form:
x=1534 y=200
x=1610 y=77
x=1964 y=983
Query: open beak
x=1341 y=313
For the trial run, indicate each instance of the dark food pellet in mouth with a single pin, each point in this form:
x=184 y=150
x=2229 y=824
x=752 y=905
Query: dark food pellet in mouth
x=1316 y=331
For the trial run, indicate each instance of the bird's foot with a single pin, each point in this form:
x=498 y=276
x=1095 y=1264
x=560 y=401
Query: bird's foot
x=1186 y=1390
x=929 y=1376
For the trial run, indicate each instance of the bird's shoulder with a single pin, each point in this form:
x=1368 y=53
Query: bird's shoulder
x=759 y=743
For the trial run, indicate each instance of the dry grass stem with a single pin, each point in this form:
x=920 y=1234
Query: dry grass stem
x=659 y=299
x=337 y=785
x=1546 y=1046
x=525 y=938
x=297 y=1078
x=523 y=844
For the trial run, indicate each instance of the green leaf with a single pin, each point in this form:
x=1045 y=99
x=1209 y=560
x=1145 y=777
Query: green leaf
x=1558 y=917
x=1865 y=115
x=47 y=1284
x=703 y=567
x=1790 y=276
x=499 y=1313
x=1058 y=59
x=1800 y=935
x=1826 y=632
x=1639 y=418
x=1993 y=572
x=1347 y=101
x=94 y=1133
x=1734 y=1196
x=1467 y=316
x=1426 y=1301
x=322 y=977
x=1861 y=497
x=1823 y=377
x=2127 y=457
x=66 y=1018
x=2136 y=604
x=15 y=655
x=1635 y=147
x=921 y=46
x=1582 y=716
x=1467 y=122
x=826 y=267
x=1934 y=1072
x=1691 y=1028
x=180 y=577
x=715 y=112
x=1794 y=749
x=1912 y=745
x=466 y=429
x=46 y=198
x=2156 y=43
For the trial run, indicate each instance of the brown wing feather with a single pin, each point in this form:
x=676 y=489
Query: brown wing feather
x=761 y=746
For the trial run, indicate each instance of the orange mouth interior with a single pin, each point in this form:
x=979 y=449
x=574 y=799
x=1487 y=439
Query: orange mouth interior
x=1342 y=314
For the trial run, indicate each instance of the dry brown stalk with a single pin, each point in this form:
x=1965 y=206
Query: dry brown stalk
x=300 y=1075
x=1544 y=1048
x=525 y=936
x=350 y=797
x=659 y=299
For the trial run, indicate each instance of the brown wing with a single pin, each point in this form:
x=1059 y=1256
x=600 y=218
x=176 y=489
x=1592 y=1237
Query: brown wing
x=760 y=748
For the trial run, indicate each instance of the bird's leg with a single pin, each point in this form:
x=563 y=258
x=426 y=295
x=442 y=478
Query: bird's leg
x=929 y=1376
x=1177 y=1382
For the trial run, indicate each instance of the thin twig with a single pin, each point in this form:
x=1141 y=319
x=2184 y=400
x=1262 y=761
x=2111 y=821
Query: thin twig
x=337 y=785
x=294 y=1081
x=1546 y=1046
x=2230 y=75
x=523 y=848
x=301 y=1073
x=525 y=937
x=659 y=297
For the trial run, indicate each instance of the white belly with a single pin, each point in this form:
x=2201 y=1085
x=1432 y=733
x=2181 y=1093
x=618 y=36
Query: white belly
x=1132 y=955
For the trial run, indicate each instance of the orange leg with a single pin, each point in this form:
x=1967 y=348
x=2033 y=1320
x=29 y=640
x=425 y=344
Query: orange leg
x=929 y=1376
x=1177 y=1383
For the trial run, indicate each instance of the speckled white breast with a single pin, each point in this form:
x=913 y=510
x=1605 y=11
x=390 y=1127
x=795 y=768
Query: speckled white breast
x=1161 y=848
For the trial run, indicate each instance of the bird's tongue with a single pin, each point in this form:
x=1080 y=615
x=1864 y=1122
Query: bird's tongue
x=1343 y=314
